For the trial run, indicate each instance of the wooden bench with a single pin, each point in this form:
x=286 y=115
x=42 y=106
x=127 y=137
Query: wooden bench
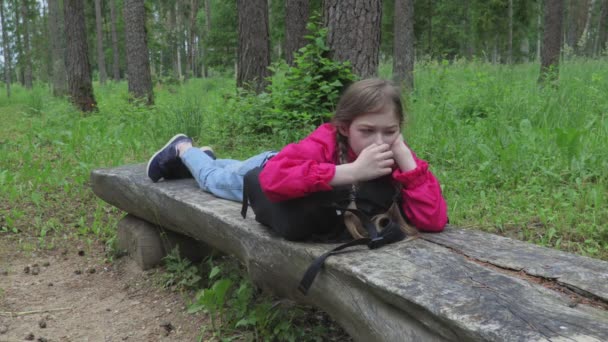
x=459 y=285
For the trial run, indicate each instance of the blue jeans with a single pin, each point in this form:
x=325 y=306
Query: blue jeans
x=222 y=177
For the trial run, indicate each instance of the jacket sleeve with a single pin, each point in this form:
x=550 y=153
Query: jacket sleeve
x=297 y=170
x=423 y=203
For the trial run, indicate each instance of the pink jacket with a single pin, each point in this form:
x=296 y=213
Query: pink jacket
x=308 y=166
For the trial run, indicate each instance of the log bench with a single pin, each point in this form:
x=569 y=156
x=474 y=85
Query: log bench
x=458 y=285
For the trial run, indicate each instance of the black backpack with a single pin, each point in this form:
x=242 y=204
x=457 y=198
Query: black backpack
x=322 y=214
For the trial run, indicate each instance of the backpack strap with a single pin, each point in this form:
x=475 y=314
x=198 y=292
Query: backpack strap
x=315 y=267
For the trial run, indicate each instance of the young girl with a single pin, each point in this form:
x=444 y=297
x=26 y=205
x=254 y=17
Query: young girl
x=363 y=142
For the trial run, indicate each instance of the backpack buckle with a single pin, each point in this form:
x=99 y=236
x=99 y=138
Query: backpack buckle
x=376 y=243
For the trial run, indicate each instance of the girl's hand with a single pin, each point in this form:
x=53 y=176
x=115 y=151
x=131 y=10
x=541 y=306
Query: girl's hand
x=403 y=155
x=373 y=162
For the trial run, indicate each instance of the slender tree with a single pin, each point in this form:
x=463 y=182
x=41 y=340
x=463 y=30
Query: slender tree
x=192 y=33
x=56 y=37
x=296 y=16
x=77 y=56
x=6 y=50
x=27 y=51
x=138 y=63
x=600 y=38
x=403 y=46
x=552 y=41
x=253 y=53
x=101 y=59
x=354 y=33
x=208 y=35
x=115 y=52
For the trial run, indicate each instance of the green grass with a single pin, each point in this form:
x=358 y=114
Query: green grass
x=512 y=158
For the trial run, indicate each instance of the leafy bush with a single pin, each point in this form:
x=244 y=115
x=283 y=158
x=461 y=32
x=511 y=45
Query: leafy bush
x=301 y=96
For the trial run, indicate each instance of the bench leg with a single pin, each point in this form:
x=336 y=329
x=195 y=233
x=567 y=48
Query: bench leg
x=148 y=243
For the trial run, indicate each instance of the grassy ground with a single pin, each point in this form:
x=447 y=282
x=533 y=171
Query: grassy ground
x=513 y=159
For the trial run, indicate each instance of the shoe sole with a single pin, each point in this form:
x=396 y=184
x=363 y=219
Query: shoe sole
x=159 y=151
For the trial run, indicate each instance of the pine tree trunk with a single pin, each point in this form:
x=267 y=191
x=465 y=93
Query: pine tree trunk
x=253 y=53
x=138 y=63
x=7 y=52
x=354 y=33
x=539 y=30
x=27 y=54
x=208 y=24
x=77 y=57
x=552 y=42
x=18 y=44
x=403 y=45
x=115 y=51
x=296 y=16
x=56 y=37
x=192 y=38
x=101 y=59
x=510 y=43
x=584 y=40
x=600 y=38
x=179 y=38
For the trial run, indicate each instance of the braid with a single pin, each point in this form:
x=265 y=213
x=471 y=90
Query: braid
x=341 y=149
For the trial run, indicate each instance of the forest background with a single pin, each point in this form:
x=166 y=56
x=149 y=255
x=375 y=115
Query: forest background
x=515 y=157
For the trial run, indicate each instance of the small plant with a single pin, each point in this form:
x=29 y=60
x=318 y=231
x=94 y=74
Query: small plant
x=180 y=273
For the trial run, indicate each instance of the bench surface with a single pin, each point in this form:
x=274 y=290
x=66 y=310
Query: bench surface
x=457 y=285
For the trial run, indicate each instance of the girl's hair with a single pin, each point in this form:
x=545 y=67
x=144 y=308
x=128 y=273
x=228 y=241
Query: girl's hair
x=363 y=97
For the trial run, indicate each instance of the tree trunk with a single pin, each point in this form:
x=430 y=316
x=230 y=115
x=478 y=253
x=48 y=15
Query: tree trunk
x=539 y=30
x=7 y=52
x=430 y=36
x=584 y=40
x=296 y=16
x=208 y=24
x=192 y=38
x=552 y=42
x=101 y=59
x=27 y=54
x=253 y=53
x=600 y=38
x=510 y=43
x=77 y=57
x=115 y=52
x=56 y=37
x=179 y=38
x=18 y=44
x=138 y=63
x=354 y=33
x=403 y=46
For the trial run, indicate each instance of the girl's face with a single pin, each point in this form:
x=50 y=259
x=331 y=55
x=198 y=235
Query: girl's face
x=372 y=128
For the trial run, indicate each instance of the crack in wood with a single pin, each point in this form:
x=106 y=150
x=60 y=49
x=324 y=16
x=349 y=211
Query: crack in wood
x=576 y=295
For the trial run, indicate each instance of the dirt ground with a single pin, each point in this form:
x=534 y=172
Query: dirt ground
x=74 y=295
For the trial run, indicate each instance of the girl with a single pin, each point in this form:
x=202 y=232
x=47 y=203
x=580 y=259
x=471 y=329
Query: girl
x=363 y=142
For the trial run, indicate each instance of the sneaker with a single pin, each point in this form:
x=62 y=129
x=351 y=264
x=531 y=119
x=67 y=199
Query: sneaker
x=209 y=151
x=166 y=163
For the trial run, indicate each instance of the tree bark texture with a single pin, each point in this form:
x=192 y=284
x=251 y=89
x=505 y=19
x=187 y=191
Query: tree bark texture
x=253 y=53
x=510 y=42
x=600 y=39
x=296 y=16
x=115 y=51
x=403 y=46
x=208 y=25
x=354 y=33
x=27 y=53
x=584 y=40
x=6 y=51
x=101 y=59
x=77 y=57
x=552 y=41
x=138 y=63
x=56 y=38
x=191 y=70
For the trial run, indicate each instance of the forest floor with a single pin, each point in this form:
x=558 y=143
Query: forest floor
x=73 y=294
